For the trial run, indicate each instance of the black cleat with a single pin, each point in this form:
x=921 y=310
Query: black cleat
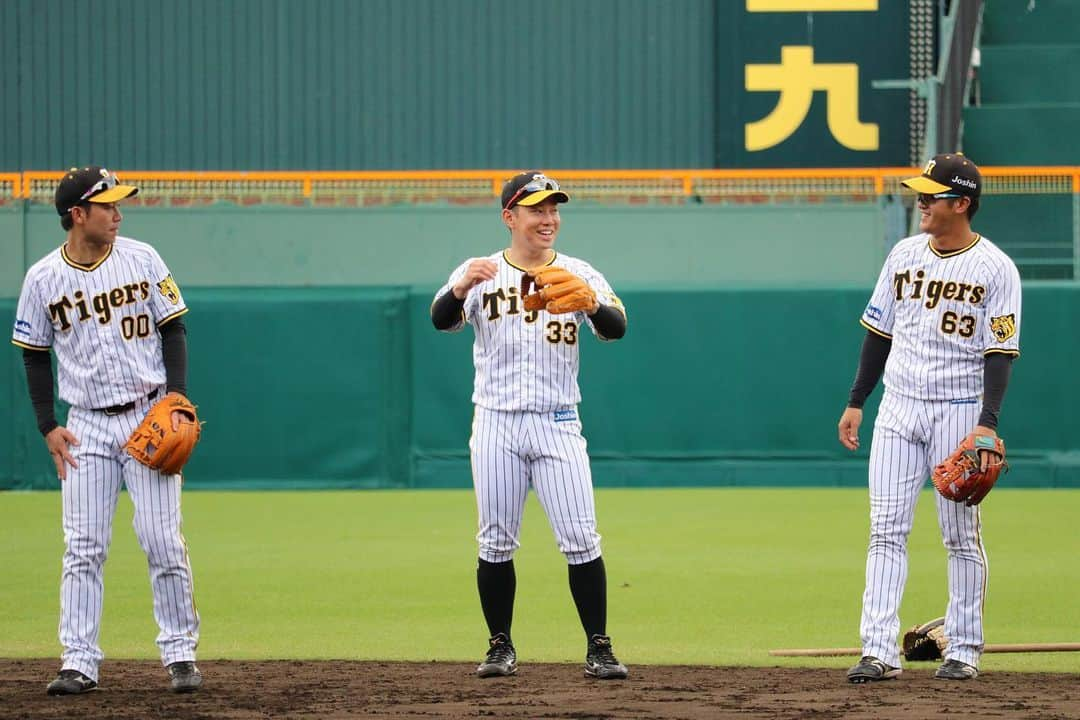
x=185 y=677
x=70 y=682
x=501 y=660
x=870 y=669
x=956 y=670
x=600 y=661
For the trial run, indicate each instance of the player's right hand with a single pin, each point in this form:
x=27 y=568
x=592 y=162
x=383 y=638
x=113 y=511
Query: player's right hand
x=478 y=271
x=59 y=440
x=849 y=428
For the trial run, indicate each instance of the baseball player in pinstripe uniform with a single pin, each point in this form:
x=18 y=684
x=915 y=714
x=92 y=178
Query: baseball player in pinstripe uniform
x=943 y=325
x=526 y=429
x=110 y=310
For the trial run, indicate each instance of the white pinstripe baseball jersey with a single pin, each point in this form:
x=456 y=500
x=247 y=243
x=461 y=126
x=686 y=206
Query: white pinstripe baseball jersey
x=944 y=312
x=525 y=361
x=101 y=321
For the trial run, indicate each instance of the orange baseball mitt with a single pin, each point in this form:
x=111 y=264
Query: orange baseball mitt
x=557 y=290
x=959 y=477
x=155 y=444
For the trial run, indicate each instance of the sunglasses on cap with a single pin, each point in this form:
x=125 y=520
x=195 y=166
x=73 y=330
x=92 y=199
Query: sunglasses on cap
x=538 y=183
x=927 y=199
x=107 y=182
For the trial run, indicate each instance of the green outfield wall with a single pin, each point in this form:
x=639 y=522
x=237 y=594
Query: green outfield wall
x=430 y=84
x=352 y=387
x=808 y=245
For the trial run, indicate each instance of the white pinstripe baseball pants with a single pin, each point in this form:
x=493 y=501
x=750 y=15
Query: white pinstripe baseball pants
x=510 y=451
x=89 y=496
x=910 y=437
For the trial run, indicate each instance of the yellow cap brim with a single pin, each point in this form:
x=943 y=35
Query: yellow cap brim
x=923 y=184
x=541 y=195
x=114 y=193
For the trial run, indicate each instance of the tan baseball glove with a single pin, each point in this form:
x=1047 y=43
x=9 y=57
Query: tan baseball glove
x=926 y=641
x=959 y=477
x=155 y=444
x=557 y=290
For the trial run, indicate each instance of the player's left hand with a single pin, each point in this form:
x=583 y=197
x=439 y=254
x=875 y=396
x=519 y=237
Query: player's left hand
x=985 y=456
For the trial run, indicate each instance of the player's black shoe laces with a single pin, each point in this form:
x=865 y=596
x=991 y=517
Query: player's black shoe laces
x=600 y=652
x=501 y=651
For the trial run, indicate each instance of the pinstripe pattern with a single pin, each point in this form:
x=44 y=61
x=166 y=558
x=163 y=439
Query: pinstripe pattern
x=511 y=451
x=101 y=321
x=944 y=313
x=926 y=362
x=518 y=367
x=89 y=499
x=909 y=439
x=526 y=430
x=100 y=363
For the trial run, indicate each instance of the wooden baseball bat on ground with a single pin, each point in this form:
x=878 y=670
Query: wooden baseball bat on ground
x=1006 y=648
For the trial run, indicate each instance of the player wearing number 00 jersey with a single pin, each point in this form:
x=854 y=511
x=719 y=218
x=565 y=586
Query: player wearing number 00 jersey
x=109 y=310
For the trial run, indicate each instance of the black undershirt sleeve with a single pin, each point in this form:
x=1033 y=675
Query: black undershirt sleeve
x=609 y=322
x=996 y=371
x=39 y=380
x=174 y=352
x=875 y=351
x=446 y=311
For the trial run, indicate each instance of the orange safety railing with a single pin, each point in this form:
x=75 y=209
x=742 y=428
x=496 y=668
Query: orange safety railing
x=14 y=180
x=304 y=186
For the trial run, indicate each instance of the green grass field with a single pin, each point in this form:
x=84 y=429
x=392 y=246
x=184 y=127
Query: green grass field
x=715 y=576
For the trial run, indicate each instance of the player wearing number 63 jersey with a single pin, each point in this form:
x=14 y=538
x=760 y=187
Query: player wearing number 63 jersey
x=109 y=309
x=526 y=428
x=943 y=324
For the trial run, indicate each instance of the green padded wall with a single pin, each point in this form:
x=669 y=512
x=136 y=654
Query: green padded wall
x=352 y=387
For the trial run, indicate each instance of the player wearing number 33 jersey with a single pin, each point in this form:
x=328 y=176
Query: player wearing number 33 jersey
x=109 y=309
x=526 y=429
x=943 y=324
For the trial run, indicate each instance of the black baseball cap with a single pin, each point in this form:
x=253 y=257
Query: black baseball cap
x=90 y=184
x=950 y=173
x=529 y=188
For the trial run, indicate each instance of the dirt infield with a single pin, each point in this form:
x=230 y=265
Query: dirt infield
x=288 y=689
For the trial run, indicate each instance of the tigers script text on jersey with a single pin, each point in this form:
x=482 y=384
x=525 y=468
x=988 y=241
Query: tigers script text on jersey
x=101 y=321
x=525 y=360
x=944 y=312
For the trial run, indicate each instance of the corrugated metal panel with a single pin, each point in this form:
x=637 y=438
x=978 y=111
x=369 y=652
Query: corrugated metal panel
x=357 y=84
x=427 y=84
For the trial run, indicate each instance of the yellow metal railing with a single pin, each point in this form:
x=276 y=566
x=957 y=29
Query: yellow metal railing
x=376 y=187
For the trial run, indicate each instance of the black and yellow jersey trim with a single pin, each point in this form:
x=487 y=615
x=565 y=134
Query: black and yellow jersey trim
x=550 y=262
x=1001 y=351
x=953 y=253
x=874 y=330
x=80 y=266
x=175 y=315
x=27 y=346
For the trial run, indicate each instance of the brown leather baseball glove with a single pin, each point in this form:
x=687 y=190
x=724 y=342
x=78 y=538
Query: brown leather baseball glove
x=926 y=641
x=959 y=477
x=155 y=444
x=558 y=291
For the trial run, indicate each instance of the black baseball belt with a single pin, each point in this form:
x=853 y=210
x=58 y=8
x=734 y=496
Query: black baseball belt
x=121 y=409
